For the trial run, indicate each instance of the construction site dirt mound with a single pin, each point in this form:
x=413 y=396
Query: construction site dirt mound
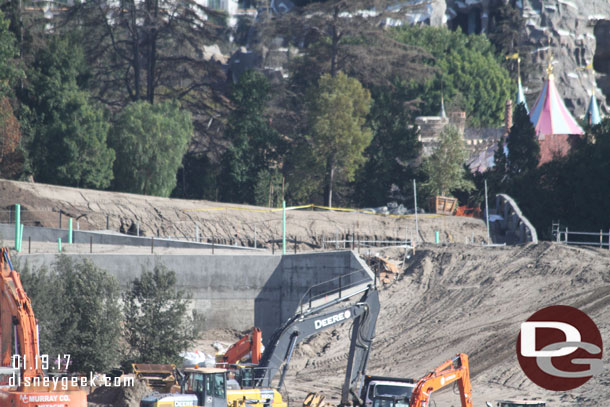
x=243 y=225
x=459 y=298
x=448 y=298
x=118 y=396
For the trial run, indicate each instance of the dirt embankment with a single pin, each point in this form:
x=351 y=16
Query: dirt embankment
x=451 y=298
x=42 y=204
x=459 y=298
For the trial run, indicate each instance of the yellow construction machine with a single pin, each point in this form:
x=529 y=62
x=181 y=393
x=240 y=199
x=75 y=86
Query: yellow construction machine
x=208 y=387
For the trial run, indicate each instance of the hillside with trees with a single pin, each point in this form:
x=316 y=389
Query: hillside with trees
x=130 y=100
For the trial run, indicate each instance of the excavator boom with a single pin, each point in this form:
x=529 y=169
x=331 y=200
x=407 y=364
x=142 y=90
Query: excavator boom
x=456 y=369
x=363 y=313
x=251 y=343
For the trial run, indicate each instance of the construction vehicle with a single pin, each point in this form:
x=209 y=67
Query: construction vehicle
x=207 y=387
x=257 y=382
x=383 y=391
x=24 y=383
x=451 y=371
x=251 y=344
x=158 y=376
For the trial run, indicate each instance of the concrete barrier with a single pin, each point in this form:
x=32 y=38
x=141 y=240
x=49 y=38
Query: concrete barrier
x=231 y=291
x=42 y=234
x=511 y=227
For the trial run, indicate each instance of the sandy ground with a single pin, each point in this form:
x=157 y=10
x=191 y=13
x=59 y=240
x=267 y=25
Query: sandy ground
x=459 y=298
x=450 y=297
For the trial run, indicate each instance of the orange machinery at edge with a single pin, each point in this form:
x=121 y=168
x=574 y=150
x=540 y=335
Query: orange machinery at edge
x=456 y=369
x=18 y=330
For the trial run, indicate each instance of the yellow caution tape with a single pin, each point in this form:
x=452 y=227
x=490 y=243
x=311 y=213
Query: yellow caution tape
x=290 y=208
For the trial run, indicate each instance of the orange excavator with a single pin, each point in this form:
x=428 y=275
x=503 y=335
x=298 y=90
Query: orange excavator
x=22 y=379
x=453 y=370
x=251 y=343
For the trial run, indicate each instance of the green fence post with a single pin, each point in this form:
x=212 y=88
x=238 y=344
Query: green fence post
x=20 y=237
x=70 y=231
x=17 y=225
x=59 y=244
x=436 y=237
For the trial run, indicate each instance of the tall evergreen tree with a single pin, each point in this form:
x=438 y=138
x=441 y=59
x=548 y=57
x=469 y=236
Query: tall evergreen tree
x=390 y=158
x=522 y=144
x=68 y=145
x=255 y=145
x=337 y=112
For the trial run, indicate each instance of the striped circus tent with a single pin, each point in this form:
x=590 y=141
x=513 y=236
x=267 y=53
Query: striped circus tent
x=555 y=126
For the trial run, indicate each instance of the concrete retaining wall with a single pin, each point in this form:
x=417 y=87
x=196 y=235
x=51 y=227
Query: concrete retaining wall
x=232 y=291
x=513 y=227
x=41 y=234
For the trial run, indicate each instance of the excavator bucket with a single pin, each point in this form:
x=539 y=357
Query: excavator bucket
x=314 y=400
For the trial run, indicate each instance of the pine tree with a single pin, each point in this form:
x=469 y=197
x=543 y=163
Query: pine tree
x=523 y=148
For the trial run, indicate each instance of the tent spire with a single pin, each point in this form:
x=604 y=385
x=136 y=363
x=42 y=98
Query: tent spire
x=592 y=116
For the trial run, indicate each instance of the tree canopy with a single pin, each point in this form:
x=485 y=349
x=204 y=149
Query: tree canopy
x=337 y=113
x=69 y=130
x=445 y=167
x=157 y=327
x=470 y=76
x=150 y=141
x=77 y=306
x=255 y=146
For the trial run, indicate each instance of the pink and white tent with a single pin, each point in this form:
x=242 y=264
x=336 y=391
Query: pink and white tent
x=555 y=127
x=550 y=115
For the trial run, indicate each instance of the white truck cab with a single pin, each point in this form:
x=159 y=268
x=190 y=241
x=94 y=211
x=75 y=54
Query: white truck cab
x=387 y=392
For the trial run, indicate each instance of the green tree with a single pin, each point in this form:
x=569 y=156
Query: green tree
x=470 y=76
x=445 y=167
x=255 y=146
x=68 y=144
x=522 y=144
x=11 y=154
x=392 y=153
x=150 y=141
x=11 y=70
x=337 y=113
x=156 y=322
x=77 y=307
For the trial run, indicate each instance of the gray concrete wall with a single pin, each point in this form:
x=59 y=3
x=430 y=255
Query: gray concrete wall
x=232 y=291
x=40 y=234
x=513 y=228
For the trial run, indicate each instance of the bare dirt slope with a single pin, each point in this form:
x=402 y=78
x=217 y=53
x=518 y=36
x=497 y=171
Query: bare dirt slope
x=451 y=298
x=42 y=203
x=461 y=298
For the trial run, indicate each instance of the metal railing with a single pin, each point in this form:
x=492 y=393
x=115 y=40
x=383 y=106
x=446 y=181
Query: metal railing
x=339 y=287
x=570 y=237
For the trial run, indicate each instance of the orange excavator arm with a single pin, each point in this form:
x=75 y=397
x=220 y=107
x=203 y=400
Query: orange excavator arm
x=451 y=371
x=251 y=343
x=18 y=327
